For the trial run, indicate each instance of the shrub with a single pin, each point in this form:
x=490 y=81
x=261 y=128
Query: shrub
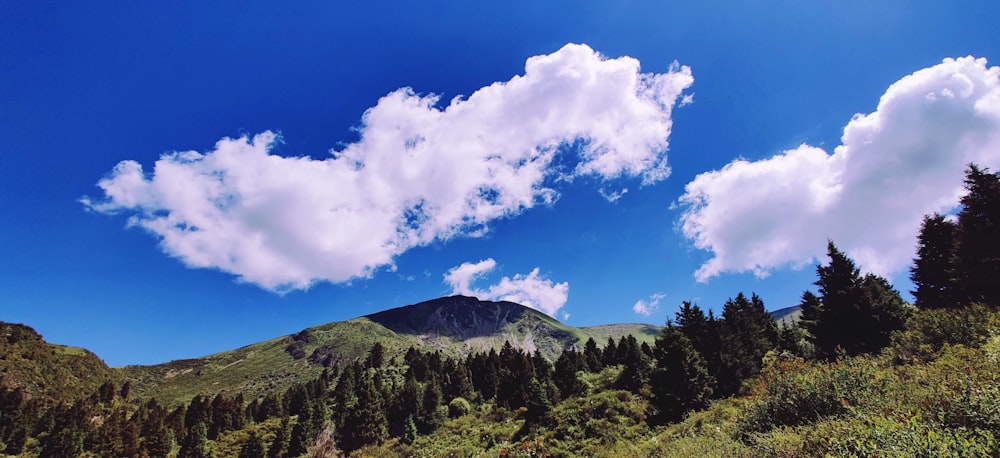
x=928 y=331
x=792 y=392
x=459 y=407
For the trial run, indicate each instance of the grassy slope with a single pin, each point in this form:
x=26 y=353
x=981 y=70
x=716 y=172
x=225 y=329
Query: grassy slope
x=258 y=368
x=455 y=326
x=643 y=332
x=47 y=370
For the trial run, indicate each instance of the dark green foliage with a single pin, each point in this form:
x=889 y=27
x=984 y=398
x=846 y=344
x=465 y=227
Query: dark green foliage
x=934 y=270
x=485 y=368
x=680 y=380
x=299 y=443
x=538 y=406
x=636 y=366
x=279 y=446
x=748 y=333
x=978 y=251
x=609 y=356
x=196 y=443
x=811 y=308
x=930 y=330
x=404 y=406
x=409 y=430
x=592 y=356
x=856 y=315
x=515 y=373
x=458 y=407
x=565 y=373
x=429 y=417
x=794 y=392
x=376 y=357
x=365 y=421
x=253 y=447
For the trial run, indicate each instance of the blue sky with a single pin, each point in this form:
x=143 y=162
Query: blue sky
x=184 y=179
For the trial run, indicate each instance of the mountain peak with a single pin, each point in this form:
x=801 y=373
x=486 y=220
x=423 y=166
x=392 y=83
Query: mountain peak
x=458 y=317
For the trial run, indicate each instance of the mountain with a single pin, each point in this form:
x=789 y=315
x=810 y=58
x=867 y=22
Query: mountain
x=787 y=315
x=455 y=326
x=47 y=370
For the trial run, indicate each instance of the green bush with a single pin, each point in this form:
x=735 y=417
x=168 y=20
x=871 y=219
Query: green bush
x=928 y=331
x=791 y=392
x=459 y=407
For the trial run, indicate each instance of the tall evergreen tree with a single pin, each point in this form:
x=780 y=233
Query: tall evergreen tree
x=680 y=380
x=196 y=443
x=592 y=355
x=704 y=333
x=857 y=315
x=565 y=373
x=609 y=356
x=298 y=444
x=749 y=333
x=934 y=270
x=636 y=366
x=978 y=251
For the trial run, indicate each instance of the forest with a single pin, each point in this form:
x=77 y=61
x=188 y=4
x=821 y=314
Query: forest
x=860 y=373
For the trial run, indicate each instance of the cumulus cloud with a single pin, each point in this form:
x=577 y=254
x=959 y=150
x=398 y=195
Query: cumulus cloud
x=420 y=172
x=894 y=165
x=647 y=307
x=531 y=290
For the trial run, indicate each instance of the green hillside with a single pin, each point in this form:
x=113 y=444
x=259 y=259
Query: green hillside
x=47 y=370
x=455 y=326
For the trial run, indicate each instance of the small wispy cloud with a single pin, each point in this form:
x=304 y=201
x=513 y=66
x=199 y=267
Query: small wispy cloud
x=531 y=290
x=647 y=307
x=421 y=172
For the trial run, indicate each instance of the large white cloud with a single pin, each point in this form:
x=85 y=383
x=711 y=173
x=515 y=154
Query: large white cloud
x=419 y=172
x=531 y=290
x=904 y=160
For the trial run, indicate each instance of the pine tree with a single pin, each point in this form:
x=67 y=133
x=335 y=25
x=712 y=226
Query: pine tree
x=811 y=308
x=856 y=315
x=978 y=251
x=680 y=381
x=376 y=356
x=538 y=406
x=609 y=356
x=636 y=367
x=404 y=405
x=933 y=271
x=704 y=333
x=365 y=423
x=429 y=417
x=565 y=373
x=592 y=355
x=749 y=333
x=298 y=445
x=196 y=443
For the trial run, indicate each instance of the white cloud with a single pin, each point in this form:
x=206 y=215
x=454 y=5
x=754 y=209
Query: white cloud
x=893 y=166
x=647 y=307
x=419 y=173
x=531 y=290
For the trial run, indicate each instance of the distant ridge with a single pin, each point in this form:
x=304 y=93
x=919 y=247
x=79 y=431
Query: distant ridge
x=455 y=326
x=787 y=315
